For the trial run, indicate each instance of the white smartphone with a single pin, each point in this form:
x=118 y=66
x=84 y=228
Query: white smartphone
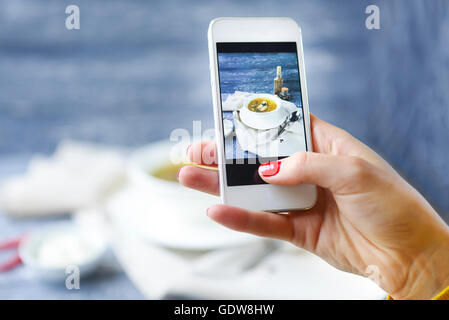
x=260 y=108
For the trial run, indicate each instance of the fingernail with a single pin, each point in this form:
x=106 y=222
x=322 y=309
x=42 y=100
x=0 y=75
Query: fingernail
x=270 y=169
x=179 y=170
x=187 y=150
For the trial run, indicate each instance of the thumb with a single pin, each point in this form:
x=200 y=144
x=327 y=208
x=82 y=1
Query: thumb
x=327 y=171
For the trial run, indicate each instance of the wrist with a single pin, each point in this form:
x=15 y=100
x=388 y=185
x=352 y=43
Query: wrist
x=428 y=272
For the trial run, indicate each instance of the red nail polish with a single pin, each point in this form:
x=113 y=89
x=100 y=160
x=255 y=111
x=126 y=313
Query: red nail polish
x=270 y=169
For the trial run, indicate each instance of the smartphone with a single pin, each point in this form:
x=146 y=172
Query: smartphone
x=260 y=108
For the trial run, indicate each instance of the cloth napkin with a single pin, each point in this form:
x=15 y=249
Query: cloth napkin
x=77 y=175
x=235 y=101
x=284 y=273
x=260 y=142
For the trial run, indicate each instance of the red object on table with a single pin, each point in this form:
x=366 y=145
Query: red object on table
x=14 y=261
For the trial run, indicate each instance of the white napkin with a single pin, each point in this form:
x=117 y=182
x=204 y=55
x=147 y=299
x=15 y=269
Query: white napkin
x=288 y=273
x=260 y=269
x=78 y=174
x=260 y=141
x=235 y=101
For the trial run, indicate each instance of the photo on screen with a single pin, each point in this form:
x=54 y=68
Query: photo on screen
x=261 y=100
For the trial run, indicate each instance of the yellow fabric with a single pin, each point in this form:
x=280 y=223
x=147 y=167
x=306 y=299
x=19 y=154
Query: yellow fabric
x=443 y=295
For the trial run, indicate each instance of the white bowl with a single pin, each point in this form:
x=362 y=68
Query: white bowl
x=165 y=212
x=263 y=120
x=30 y=247
x=150 y=158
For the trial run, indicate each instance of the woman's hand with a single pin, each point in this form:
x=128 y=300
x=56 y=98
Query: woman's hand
x=367 y=218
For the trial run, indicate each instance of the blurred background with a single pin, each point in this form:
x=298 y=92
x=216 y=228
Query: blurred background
x=138 y=69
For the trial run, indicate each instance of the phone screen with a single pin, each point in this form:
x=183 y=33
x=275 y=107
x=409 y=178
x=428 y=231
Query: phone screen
x=261 y=105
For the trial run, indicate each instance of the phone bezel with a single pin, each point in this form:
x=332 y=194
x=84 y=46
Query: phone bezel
x=254 y=29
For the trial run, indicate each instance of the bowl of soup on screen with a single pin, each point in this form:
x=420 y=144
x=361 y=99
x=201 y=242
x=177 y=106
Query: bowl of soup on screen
x=262 y=111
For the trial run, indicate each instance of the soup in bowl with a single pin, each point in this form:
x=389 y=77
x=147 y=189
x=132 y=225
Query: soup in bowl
x=262 y=111
x=262 y=105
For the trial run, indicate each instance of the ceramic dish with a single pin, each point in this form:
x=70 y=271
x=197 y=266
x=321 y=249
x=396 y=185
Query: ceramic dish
x=47 y=255
x=264 y=119
x=166 y=212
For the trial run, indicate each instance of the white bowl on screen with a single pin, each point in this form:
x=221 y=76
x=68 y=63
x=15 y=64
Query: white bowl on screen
x=263 y=120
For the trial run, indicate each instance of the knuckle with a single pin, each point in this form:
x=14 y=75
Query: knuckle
x=301 y=159
x=359 y=168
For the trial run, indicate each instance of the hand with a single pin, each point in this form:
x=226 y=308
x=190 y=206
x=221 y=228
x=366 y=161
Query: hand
x=366 y=218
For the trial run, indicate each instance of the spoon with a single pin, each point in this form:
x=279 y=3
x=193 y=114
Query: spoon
x=293 y=117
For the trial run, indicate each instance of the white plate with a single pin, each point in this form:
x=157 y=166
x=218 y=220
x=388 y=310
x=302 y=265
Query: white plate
x=161 y=221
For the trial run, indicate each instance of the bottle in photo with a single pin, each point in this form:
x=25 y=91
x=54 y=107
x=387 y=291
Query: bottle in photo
x=278 y=81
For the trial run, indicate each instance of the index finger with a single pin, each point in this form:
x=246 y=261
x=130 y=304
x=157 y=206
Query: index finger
x=203 y=153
